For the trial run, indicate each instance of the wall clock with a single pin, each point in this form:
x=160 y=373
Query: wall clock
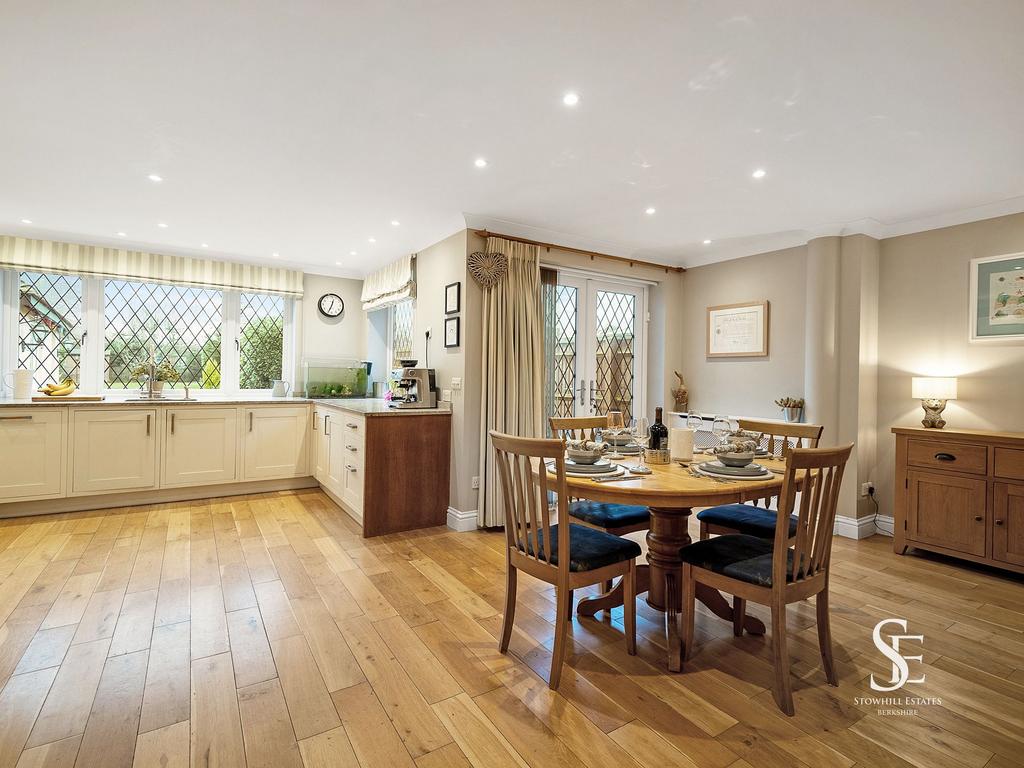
x=331 y=305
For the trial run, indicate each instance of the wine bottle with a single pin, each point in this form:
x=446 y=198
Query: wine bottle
x=658 y=432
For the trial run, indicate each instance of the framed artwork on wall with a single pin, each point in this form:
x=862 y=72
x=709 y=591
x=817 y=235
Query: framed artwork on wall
x=997 y=298
x=452 y=298
x=738 y=330
x=451 y=332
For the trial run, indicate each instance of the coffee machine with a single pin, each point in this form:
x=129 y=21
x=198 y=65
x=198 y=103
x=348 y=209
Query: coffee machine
x=414 y=388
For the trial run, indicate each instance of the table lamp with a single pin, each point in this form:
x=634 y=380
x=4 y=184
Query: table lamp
x=933 y=392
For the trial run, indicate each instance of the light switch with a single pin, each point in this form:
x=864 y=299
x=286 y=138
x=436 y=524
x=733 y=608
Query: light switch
x=456 y=382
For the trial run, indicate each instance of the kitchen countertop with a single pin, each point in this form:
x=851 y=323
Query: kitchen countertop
x=366 y=406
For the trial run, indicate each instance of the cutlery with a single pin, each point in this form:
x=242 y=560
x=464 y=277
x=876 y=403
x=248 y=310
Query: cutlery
x=614 y=479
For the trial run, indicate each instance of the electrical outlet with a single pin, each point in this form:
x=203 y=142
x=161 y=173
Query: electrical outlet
x=457 y=383
x=446 y=395
x=476 y=482
x=867 y=488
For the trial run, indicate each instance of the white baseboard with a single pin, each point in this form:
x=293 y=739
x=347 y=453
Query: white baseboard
x=885 y=524
x=461 y=521
x=855 y=527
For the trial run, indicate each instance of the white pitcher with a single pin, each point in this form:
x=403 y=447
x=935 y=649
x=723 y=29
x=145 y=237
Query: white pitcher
x=20 y=382
x=280 y=388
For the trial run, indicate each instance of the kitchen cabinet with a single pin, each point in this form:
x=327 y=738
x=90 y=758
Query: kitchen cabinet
x=200 y=446
x=275 y=442
x=321 y=444
x=32 y=455
x=959 y=492
x=113 y=449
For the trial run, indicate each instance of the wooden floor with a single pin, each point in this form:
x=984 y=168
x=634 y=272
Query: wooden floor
x=263 y=631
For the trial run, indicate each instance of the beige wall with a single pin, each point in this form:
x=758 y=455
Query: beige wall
x=319 y=336
x=923 y=326
x=745 y=386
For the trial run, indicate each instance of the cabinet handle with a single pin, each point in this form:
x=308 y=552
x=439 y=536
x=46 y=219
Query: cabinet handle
x=172 y=423
x=147 y=424
x=351 y=425
x=352 y=448
x=314 y=422
x=250 y=421
x=999 y=522
x=945 y=457
x=15 y=418
x=978 y=519
x=327 y=423
x=350 y=468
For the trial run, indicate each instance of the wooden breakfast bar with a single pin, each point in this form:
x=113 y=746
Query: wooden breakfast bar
x=671 y=492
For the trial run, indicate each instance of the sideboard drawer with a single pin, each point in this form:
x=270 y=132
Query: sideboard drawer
x=940 y=454
x=1009 y=462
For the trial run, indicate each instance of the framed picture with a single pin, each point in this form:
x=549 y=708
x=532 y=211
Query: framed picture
x=997 y=298
x=738 y=330
x=451 y=332
x=452 y=298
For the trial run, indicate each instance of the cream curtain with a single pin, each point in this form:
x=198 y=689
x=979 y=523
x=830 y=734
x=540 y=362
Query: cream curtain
x=26 y=254
x=512 y=381
x=391 y=284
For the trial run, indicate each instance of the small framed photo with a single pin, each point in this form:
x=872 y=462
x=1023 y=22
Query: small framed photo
x=451 y=332
x=452 y=298
x=997 y=299
x=738 y=330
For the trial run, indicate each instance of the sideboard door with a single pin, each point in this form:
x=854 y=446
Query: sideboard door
x=947 y=511
x=1008 y=523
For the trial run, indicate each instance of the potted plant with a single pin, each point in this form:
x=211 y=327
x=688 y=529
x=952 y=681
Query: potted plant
x=792 y=408
x=163 y=371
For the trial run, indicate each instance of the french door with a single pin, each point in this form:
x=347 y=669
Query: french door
x=598 y=360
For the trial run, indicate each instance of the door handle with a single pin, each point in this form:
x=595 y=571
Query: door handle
x=945 y=457
x=999 y=522
x=172 y=423
x=978 y=518
x=352 y=448
x=327 y=432
x=351 y=425
x=148 y=417
x=15 y=418
x=350 y=468
x=582 y=385
x=250 y=421
x=314 y=422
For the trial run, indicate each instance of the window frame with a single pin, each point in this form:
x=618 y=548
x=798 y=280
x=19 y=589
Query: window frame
x=93 y=343
x=392 y=311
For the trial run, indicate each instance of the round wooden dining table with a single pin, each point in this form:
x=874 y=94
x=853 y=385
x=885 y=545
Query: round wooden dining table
x=671 y=492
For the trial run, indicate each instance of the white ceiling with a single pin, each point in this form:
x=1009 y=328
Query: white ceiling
x=304 y=128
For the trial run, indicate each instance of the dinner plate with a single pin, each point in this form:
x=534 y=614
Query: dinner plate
x=751 y=470
x=602 y=467
x=614 y=471
x=766 y=476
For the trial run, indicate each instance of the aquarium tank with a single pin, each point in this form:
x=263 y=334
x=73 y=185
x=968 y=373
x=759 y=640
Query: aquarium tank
x=335 y=377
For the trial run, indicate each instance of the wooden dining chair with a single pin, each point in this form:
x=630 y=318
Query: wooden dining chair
x=617 y=519
x=563 y=554
x=752 y=519
x=769 y=571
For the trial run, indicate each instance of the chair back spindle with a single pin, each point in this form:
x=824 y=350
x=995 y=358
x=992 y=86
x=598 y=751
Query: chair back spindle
x=819 y=500
x=577 y=427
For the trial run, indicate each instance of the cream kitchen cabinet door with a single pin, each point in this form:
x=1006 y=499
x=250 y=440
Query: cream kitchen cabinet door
x=275 y=442
x=113 y=450
x=321 y=444
x=32 y=453
x=200 y=446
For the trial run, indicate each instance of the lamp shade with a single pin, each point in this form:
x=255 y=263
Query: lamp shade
x=933 y=388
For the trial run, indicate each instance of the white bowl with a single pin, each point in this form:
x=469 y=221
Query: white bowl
x=583 y=457
x=736 y=459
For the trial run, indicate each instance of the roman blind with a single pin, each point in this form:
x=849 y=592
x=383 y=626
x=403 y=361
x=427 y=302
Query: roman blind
x=390 y=285
x=31 y=255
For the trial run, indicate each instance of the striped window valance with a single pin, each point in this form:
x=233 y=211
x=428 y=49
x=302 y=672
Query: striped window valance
x=390 y=285
x=30 y=255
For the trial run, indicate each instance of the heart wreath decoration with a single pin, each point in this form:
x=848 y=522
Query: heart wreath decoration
x=487 y=268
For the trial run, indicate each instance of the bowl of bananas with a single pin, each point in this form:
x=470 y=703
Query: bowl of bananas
x=65 y=388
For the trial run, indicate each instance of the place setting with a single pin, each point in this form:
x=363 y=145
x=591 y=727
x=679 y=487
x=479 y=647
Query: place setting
x=734 y=459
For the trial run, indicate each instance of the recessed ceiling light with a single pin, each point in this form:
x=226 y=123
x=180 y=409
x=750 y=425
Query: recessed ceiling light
x=26 y=221
x=122 y=234
x=352 y=253
x=760 y=173
x=707 y=242
x=161 y=224
x=571 y=99
x=395 y=222
x=651 y=211
x=276 y=255
x=155 y=178
x=371 y=239
x=203 y=245
x=337 y=263
x=480 y=162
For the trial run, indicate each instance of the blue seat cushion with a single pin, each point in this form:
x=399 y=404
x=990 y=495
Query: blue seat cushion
x=738 y=556
x=609 y=515
x=589 y=549
x=745 y=518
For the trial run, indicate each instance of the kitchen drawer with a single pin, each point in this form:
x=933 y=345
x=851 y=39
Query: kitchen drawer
x=354 y=424
x=942 y=454
x=1009 y=462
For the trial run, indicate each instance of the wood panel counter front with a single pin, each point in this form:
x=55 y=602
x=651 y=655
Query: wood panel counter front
x=961 y=493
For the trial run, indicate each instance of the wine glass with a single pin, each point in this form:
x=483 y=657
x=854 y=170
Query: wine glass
x=640 y=429
x=721 y=427
x=616 y=425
